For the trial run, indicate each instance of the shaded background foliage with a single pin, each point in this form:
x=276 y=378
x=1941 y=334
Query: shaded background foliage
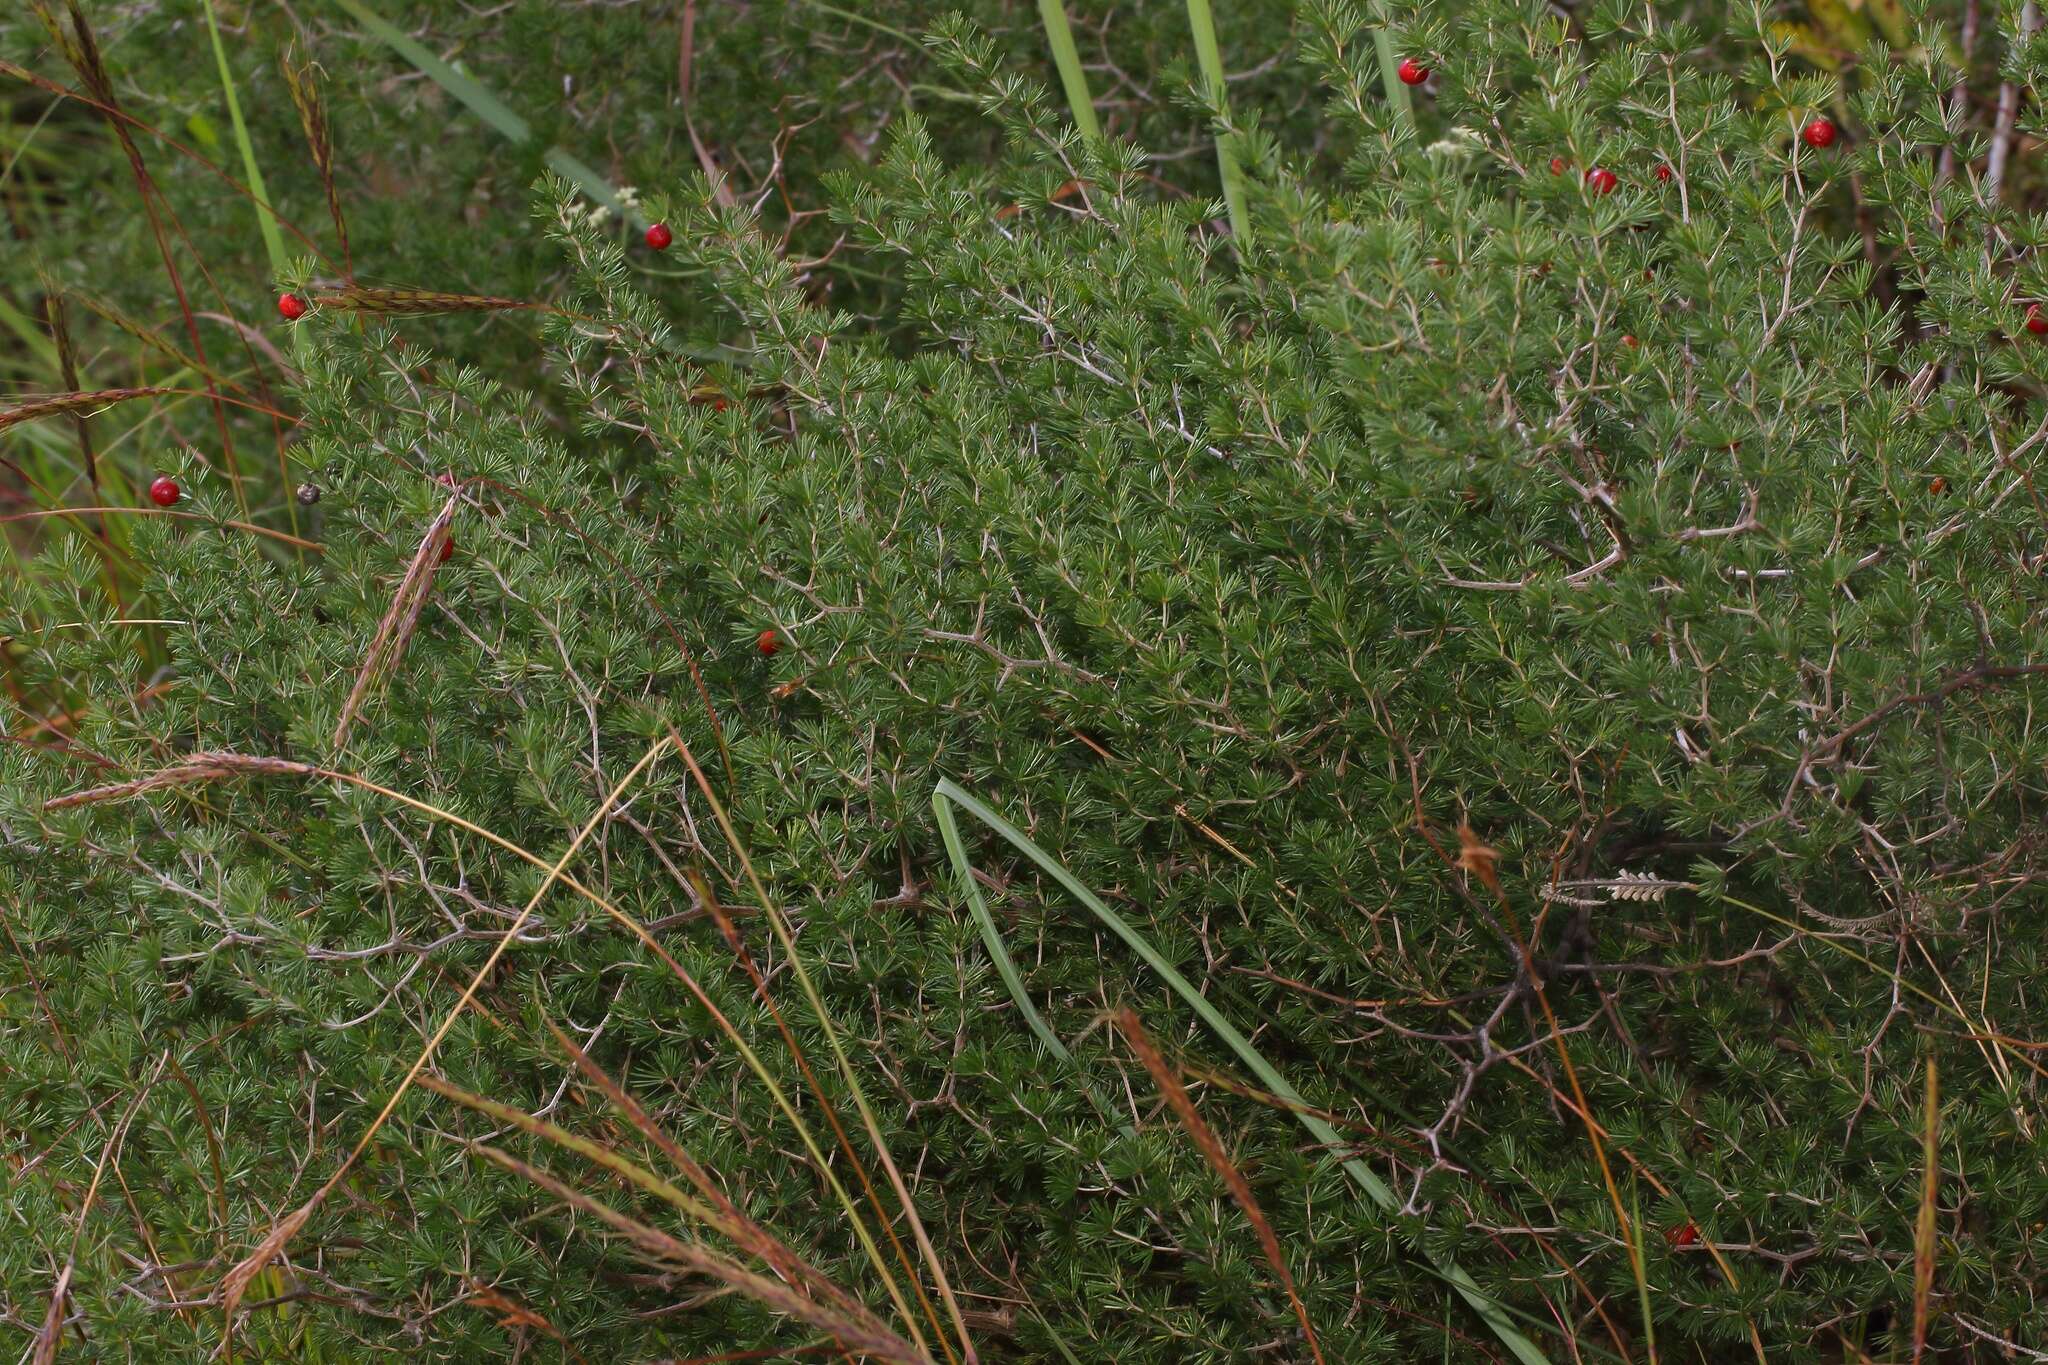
x=1464 y=526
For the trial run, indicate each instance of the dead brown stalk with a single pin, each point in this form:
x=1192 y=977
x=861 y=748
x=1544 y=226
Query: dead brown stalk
x=1183 y=1106
x=395 y=630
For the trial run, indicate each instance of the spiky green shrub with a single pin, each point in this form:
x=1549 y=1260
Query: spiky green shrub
x=1516 y=647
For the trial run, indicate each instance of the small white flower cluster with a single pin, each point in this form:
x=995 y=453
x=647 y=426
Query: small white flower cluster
x=1458 y=142
x=597 y=215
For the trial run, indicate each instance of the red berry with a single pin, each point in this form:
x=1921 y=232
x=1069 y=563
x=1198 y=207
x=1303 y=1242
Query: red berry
x=1937 y=486
x=1664 y=174
x=1819 y=133
x=1684 y=1235
x=1557 y=165
x=447 y=551
x=1412 y=72
x=2037 y=321
x=164 y=491
x=659 y=237
x=292 y=306
x=1629 y=342
x=768 y=641
x=1602 y=180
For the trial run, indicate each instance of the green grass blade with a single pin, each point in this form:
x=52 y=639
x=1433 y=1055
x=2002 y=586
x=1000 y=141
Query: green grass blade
x=1390 y=75
x=1067 y=58
x=949 y=794
x=32 y=337
x=858 y=18
x=266 y=217
x=949 y=831
x=1066 y=1351
x=489 y=108
x=1203 y=22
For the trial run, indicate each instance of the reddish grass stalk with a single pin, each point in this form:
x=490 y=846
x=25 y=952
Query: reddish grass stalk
x=77 y=402
x=67 y=364
x=356 y=298
x=400 y=619
x=1183 y=1106
x=512 y=1313
x=742 y=1228
x=82 y=50
x=825 y=1105
x=251 y=527
x=65 y=92
x=205 y=767
x=875 y=1341
x=299 y=78
x=1923 y=1229
x=235 y=1284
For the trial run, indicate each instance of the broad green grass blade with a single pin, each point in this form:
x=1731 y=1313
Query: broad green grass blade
x=489 y=108
x=1390 y=75
x=1066 y=1351
x=1060 y=37
x=1203 y=21
x=857 y=18
x=31 y=337
x=949 y=794
x=266 y=217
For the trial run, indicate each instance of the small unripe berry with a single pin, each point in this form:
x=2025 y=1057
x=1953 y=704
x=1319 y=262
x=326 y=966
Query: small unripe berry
x=164 y=491
x=292 y=306
x=1819 y=134
x=1411 y=71
x=659 y=237
x=768 y=642
x=1602 y=180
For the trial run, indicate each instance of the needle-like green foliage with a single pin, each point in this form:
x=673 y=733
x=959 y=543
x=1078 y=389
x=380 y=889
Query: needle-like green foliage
x=1524 y=698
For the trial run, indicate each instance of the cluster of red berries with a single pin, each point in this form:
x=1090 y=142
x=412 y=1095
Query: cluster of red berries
x=1819 y=134
x=1600 y=178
